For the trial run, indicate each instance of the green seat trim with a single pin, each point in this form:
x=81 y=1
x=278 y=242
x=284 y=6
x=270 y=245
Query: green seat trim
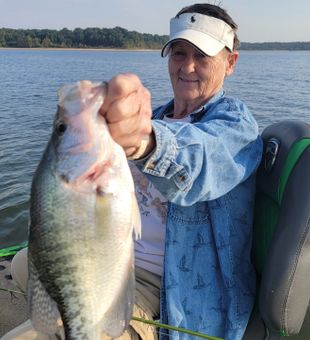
x=267 y=212
x=297 y=149
x=267 y=209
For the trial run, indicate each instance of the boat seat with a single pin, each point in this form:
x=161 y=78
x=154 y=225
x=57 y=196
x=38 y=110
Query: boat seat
x=281 y=238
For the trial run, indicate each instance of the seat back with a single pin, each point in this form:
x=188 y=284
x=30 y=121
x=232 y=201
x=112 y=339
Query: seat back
x=281 y=240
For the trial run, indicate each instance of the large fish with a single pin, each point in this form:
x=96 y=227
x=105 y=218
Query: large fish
x=83 y=215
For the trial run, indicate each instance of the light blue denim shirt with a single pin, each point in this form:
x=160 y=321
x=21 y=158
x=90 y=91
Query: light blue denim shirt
x=206 y=170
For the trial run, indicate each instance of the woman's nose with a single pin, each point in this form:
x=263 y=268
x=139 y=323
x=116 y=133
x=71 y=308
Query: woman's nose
x=188 y=65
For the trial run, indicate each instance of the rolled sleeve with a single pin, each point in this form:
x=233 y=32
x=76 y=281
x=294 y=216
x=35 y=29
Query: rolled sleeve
x=204 y=160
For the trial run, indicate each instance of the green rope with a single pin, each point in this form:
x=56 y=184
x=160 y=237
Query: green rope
x=172 y=328
x=12 y=250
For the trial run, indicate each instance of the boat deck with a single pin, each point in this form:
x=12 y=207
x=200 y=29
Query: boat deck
x=13 y=309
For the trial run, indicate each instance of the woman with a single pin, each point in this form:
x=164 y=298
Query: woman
x=200 y=151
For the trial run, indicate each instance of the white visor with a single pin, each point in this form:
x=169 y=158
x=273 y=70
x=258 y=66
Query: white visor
x=208 y=34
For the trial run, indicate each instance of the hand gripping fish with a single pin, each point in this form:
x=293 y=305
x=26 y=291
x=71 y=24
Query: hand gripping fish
x=83 y=214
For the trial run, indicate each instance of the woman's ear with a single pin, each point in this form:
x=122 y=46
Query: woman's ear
x=231 y=62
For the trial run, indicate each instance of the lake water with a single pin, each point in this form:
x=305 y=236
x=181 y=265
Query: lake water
x=275 y=85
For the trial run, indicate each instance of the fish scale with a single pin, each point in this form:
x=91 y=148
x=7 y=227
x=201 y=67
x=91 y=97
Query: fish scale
x=83 y=214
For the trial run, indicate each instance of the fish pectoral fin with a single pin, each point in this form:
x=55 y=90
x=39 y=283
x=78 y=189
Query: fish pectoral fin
x=44 y=313
x=117 y=318
x=136 y=217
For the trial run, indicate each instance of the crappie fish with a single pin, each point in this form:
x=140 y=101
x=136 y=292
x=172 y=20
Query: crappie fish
x=83 y=216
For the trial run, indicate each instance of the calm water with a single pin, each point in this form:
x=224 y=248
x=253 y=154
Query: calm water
x=275 y=85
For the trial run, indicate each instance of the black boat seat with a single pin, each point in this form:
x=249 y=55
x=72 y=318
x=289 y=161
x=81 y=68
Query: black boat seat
x=281 y=239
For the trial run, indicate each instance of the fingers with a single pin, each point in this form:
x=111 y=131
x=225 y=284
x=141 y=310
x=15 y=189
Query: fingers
x=127 y=110
x=134 y=125
x=127 y=107
x=120 y=87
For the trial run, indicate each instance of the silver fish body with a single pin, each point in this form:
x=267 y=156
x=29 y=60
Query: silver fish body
x=83 y=214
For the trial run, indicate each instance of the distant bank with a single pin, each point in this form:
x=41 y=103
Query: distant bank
x=110 y=38
x=82 y=49
x=285 y=46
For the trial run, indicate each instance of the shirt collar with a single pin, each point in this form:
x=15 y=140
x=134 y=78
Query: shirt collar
x=160 y=112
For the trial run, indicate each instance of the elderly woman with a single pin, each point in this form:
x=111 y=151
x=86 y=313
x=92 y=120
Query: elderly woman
x=199 y=152
x=194 y=162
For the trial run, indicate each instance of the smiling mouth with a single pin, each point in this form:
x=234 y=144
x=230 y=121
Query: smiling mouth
x=188 y=80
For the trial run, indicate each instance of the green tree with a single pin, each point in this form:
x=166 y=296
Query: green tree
x=78 y=37
x=2 y=38
x=46 y=42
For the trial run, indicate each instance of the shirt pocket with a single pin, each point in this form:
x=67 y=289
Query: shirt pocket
x=194 y=215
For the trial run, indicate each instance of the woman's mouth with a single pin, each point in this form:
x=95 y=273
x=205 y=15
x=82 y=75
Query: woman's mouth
x=188 y=80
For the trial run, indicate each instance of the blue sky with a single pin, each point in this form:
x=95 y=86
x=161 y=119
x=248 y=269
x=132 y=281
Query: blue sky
x=258 y=20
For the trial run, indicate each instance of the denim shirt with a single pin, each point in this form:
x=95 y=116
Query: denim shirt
x=206 y=170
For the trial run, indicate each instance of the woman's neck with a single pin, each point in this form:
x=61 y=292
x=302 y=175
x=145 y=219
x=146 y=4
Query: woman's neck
x=184 y=108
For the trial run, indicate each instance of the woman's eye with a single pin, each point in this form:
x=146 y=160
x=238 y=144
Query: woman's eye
x=200 y=56
x=60 y=128
x=178 y=55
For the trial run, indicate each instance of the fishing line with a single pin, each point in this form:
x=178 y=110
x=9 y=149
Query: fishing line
x=177 y=329
x=149 y=322
x=12 y=291
x=14 y=249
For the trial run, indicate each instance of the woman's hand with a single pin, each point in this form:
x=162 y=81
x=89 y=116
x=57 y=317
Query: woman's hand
x=127 y=110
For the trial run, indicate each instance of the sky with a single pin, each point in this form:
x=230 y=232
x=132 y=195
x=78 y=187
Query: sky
x=258 y=20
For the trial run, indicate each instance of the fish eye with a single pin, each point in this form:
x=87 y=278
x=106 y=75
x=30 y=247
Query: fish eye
x=60 y=128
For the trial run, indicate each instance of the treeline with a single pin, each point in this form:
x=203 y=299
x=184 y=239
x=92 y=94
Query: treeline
x=287 y=46
x=117 y=37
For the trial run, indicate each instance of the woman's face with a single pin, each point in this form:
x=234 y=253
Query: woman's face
x=196 y=77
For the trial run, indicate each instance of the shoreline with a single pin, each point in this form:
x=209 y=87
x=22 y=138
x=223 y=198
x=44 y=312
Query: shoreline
x=105 y=49
x=80 y=49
